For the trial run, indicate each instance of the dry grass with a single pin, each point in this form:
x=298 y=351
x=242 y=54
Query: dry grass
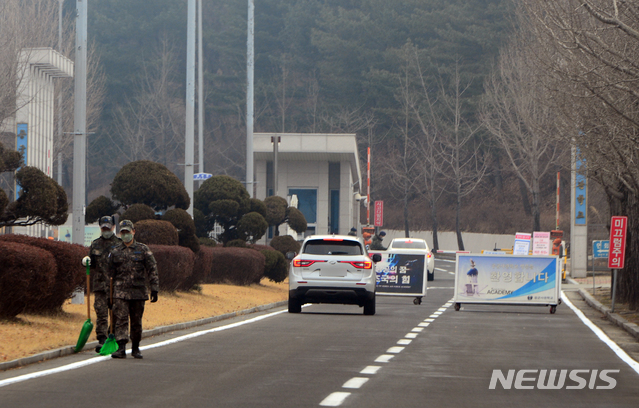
x=32 y=334
x=603 y=296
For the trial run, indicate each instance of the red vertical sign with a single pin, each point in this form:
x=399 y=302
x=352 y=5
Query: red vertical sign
x=379 y=213
x=617 y=253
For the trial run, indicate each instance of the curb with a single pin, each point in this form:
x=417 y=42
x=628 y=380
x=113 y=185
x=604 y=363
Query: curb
x=631 y=328
x=67 y=350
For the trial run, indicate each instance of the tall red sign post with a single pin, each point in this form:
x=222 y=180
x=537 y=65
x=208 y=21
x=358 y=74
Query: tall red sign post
x=617 y=252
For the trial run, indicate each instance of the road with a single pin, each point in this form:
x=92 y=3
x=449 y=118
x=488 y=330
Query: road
x=331 y=355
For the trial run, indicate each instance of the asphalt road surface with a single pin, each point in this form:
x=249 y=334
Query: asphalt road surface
x=406 y=355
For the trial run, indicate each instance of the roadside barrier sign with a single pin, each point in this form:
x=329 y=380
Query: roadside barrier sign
x=522 y=243
x=507 y=280
x=401 y=274
x=202 y=176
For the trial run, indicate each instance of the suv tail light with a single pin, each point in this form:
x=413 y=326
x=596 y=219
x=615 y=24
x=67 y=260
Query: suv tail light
x=303 y=263
x=360 y=265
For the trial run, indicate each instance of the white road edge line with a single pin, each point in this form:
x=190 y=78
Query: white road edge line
x=602 y=336
x=355 y=382
x=335 y=399
x=100 y=359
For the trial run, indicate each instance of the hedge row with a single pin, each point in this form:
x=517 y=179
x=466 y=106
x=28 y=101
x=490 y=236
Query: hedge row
x=69 y=274
x=39 y=275
x=27 y=275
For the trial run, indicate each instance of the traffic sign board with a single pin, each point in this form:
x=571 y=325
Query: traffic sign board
x=600 y=249
x=202 y=176
x=617 y=256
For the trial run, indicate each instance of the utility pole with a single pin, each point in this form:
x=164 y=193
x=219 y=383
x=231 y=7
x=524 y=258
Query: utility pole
x=250 y=65
x=80 y=123
x=60 y=97
x=200 y=92
x=189 y=148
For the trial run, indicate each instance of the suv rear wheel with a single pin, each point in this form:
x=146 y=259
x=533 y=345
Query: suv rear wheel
x=294 y=306
x=369 y=306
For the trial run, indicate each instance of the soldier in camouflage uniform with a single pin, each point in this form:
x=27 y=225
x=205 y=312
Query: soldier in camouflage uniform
x=99 y=254
x=130 y=264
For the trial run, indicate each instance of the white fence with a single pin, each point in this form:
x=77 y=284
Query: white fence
x=473 y=242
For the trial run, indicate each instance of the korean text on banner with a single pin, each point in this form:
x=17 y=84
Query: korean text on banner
x=541 y=243
x=379 y=213
x=522 y=244
x=617 y=252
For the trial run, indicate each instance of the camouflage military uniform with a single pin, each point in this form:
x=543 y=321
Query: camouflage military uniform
x=99 y=254
x=130 y=267
x=376 y=243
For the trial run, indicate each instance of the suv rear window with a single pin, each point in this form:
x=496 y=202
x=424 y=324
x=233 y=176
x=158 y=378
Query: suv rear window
x=409 y=245
x=321 y=247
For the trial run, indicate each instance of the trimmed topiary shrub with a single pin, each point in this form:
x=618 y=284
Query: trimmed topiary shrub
x=175 y=265
x=286 y=243
x=275 y=265
x=237 y=243
x=156 y=232
x=138 y=212
x=70 y=274
x=100 y=207
x=207 y=242
x=27 y=275
x=237 y=266
x=252 y=227
x=185 y=226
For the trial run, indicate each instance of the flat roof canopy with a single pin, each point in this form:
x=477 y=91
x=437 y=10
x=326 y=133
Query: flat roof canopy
x=329 y=147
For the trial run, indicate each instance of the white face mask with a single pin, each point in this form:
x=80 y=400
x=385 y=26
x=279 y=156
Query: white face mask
x=107 y=234
x=126 y=237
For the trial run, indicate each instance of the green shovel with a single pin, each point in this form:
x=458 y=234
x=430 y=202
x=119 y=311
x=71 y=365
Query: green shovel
x=87 y=327
x=110 y=346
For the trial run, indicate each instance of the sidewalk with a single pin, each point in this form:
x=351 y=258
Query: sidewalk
x=584 y=286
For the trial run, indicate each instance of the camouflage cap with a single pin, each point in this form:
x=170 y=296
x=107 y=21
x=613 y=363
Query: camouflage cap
x=126 y=225
x=106 y=222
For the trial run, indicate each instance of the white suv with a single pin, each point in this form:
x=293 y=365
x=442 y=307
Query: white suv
x=332 y=269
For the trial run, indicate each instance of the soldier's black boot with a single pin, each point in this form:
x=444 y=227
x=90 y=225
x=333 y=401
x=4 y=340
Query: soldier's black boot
x=135 y=350
x=121 y=353
x=101 y=340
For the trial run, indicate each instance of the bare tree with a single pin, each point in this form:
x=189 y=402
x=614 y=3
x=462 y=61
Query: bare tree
x=591 y=68
x=517 y=116
x=462 y=154
x=150 y=124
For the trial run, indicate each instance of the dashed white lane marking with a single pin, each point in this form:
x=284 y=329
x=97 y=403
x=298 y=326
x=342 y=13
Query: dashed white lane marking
x=335 y=399
x=441 y=309
x=411 y=335
x=437 y=313
x=429 y=320
x=384 y=358
x=446 y=260
x=417 y=329
x=404 y=342
x=440 y=269
x=355 y=382
x=433 y=316
x=370 y=370
x=423 y=324
x=395 y=350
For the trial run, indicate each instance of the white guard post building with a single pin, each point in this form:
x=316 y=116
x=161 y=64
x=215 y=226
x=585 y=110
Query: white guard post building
x=322 y=170
x=34 y=120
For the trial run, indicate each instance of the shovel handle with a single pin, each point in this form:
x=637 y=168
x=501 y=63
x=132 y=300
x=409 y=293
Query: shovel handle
x=88 y=292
